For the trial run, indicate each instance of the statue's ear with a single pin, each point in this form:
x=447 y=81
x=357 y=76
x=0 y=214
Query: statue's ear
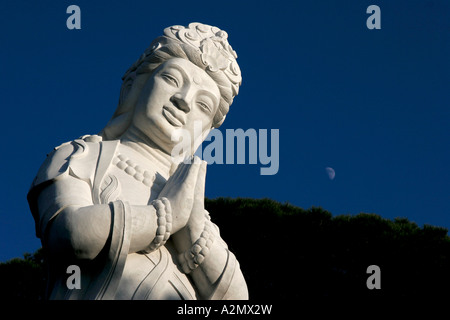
x=219 y=123
x=126 y=87
x=130 y=91
x=129 y=95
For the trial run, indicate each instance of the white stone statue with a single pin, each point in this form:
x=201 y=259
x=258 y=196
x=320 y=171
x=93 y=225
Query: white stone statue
x=117 y=206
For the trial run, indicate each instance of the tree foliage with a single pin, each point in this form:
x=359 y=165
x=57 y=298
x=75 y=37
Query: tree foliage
x=23 y=279
x=286 y=252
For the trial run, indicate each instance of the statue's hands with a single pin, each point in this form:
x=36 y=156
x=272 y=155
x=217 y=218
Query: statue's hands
x=197 y=218
x=195 y=223
x=179 y=190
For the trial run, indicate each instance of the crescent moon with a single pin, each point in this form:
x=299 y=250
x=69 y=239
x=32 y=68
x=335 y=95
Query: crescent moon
x=330 y=172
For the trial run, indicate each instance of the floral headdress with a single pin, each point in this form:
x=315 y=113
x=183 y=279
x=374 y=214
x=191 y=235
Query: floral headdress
x=204 y=45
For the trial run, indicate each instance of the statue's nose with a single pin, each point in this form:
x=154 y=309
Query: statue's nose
x=180 y=101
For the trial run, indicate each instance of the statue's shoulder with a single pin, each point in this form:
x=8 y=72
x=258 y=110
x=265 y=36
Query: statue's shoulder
x=77 y=157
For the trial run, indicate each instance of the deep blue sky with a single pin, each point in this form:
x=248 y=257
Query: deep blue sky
x=372 y=104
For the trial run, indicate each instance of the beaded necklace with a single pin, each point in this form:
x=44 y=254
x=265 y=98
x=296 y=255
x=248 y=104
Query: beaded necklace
x=134 y=170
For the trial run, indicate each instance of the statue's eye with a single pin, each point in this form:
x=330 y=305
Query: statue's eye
x=170 y=79
x=203 y=105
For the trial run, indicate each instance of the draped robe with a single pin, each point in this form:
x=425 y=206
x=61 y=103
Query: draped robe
x=93 y=172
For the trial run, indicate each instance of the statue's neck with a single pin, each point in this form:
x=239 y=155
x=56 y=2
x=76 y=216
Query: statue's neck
x=139 y=142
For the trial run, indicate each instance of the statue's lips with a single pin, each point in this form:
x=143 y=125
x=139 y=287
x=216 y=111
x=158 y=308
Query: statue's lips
x=171 y=116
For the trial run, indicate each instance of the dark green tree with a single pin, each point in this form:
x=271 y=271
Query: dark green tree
x=23 y=279
x=286 y=252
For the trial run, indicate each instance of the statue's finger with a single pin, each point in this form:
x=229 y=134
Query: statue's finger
x=191 y=174
x=201 y=180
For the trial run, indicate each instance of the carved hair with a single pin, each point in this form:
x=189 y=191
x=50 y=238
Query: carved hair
x=205 y=46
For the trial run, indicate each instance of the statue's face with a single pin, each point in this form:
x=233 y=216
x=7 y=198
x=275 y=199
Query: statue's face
x=178 y=95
